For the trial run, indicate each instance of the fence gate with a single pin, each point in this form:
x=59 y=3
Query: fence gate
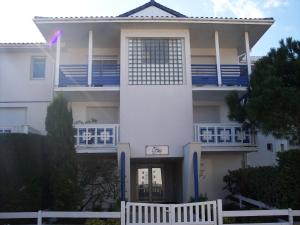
x=200 y=213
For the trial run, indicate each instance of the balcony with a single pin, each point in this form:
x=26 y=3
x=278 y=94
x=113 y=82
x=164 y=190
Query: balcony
x=231 y=75
x=219 y=134
x=21 y=129
x=96 y=137
x=77 y=75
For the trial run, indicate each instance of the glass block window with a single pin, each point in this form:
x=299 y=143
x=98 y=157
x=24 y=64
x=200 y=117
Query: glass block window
x=155 y=61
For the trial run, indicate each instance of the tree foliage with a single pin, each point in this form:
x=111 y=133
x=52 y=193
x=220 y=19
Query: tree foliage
x=272 y=102
x=276 y=186
x=62 y=170
x=100 y=181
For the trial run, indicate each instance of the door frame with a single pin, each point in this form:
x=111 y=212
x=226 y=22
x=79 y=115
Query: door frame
x=149 y=167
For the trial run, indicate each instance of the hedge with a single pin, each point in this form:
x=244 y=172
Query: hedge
x=277 y=186
x=35 y=174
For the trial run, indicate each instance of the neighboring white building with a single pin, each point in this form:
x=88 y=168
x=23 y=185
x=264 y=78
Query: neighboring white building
x=151 y=84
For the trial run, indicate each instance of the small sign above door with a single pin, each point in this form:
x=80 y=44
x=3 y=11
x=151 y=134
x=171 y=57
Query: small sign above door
x=157 y=149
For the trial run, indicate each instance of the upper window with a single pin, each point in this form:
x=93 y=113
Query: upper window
x=38 y=67
x=155 y=61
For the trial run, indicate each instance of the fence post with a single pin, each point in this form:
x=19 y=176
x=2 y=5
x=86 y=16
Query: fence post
x=39 y=218
x=291 y=219
x=220 y=212
x=123 y=213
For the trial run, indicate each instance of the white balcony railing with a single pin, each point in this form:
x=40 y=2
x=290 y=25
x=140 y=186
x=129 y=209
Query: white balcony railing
x=96 y=135
x=23 y=129
x=220 y=134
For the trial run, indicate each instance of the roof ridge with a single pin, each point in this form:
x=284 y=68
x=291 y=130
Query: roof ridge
x=152 y=3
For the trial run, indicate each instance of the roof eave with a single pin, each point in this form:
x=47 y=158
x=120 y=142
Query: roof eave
x=45 y=20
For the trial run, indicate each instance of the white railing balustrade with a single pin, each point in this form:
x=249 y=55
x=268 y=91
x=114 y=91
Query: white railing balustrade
x=22 y=129
x=96 y=135
x=222 y=134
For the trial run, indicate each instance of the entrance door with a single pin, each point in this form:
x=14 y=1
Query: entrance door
x=150 y=184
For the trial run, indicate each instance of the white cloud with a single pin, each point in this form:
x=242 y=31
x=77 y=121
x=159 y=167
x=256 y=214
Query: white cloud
x=239 y=8
x=274 y=3
x=245 y=8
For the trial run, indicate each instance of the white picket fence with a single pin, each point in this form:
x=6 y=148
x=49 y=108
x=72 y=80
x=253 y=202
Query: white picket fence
x=161 y=214
x=200 y=213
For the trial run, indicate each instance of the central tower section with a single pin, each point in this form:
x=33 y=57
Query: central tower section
x=156 y=90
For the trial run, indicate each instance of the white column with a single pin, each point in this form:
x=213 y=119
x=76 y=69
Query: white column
x=57 y=59
x=90 y=58
x=217 y=47
x=248 y=53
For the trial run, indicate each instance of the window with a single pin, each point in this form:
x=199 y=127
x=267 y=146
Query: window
x=282 y=147
x=155 y=61
x=38 y=67
x=270 y=147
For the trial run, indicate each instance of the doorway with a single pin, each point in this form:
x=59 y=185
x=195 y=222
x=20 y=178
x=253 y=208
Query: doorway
x=150 y=184
x=156 y=180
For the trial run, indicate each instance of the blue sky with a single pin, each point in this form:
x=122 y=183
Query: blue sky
x=17 y=26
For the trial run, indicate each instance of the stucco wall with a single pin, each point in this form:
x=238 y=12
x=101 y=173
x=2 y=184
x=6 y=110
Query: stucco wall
x=80 y=55
x=217 y=117
x=207 y=56
x=16 y=83
x=264 y=157
x=213 y=167
x=18 y=89
x=152 y=11
x=79 y=109
x=155 y=114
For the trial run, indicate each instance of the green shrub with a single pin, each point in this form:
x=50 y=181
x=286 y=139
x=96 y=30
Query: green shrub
x=102 y=222
x=21 y=172
x=289 y=182
x=277 y=186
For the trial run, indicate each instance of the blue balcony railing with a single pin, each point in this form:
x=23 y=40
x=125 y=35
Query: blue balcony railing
x=77 y=75
x=232 y=75
x=103 y=75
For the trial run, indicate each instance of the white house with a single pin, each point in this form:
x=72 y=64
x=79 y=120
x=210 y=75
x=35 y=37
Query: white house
x=146 y=87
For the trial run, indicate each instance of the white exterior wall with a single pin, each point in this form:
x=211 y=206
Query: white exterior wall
x=264 y=157
x=16 y=83
x=219 y=105
x=208 y=56
x=80 y=55
x=19 y=90
x=154 y=114
x=79 y=109
x=152 y=11
x=213 y=167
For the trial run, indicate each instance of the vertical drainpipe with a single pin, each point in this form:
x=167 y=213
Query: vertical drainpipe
x=196 y=177
x=122 y=175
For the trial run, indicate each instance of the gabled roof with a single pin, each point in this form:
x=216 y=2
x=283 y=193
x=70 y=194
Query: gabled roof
x=149 y=4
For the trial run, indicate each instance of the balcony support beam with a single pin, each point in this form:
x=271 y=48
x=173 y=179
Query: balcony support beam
x=57 y=60
x=218 y=61
x=248 y=53
x=90 y=58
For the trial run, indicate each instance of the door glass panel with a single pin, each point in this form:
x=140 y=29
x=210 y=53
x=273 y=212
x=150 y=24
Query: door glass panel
x=157 y=185
x=143 y=184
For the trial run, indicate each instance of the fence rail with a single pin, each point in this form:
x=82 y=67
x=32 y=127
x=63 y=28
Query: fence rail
x=200 y=213
x=289 y=213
